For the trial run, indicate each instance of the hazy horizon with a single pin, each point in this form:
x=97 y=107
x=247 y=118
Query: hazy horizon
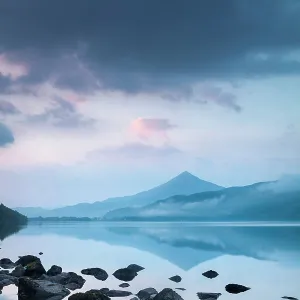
x=115 y=98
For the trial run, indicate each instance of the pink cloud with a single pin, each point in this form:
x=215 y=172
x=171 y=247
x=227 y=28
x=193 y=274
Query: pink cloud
x=11 y=69
x=147 y=127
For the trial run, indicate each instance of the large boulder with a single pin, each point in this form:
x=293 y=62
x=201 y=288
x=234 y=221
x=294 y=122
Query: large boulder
x=89 y=295
x=98 y=273
x=236 y=288
x=34 y=270
x=208 y=296
x=6 y=280
x=125 y=274
x=27 y=259
x=6 y=263
x=135 y=268
x=54 y=270
x=167 y=294
x=147 y=294
x=70 y=280
x=29 y=289
x=19 y=271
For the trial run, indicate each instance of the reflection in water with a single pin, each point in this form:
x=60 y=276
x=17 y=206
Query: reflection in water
x=7 y=230
x=264 y=258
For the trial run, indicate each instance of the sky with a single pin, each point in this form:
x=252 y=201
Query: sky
x=106 y=98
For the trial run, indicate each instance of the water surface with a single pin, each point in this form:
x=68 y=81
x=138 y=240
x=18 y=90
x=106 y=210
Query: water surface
x=265 y=257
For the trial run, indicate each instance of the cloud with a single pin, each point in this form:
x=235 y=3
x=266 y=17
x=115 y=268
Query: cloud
x=7 y=108
x=146 y=127
x=148 y=46
x=62 y=114
x=133 y=151
x=6 y=136
x=217 y=95
x=11 y=69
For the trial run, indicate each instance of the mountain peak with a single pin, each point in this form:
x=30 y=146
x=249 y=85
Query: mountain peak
x=185 y=174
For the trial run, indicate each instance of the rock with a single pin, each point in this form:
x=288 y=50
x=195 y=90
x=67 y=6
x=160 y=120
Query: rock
x=104 y=290
x=134 y=298
x=70 y=280
x=236 y=288
x=116 y=293
x=135 y=268
x=4 y=272
x=6 y=263
x=125 y=274
x=124 y=285
x=167 y=294
x=39 y=290
x=54 y=270
x=41 y=253
x=180 y=289
x=89 y=295
x=289 y=298
x=34 y=270
x=7 y=280
x=208 y=296
x=19 y=271
x=98 y=273
x=147 y=293
x=210 y=274
x=176 y=278
x=27 y=259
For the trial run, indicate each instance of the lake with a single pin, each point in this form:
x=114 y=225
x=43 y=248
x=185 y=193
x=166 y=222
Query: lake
x=265 y=257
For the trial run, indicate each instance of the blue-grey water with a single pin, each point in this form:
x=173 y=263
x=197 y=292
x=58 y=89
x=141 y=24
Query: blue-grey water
x=265 y=257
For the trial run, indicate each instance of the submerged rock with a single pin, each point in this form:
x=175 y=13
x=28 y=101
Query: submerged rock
x=180 y=289
x=41 y=253
x=146 y=294
x=124 y=285
x=89 y=295
x=6 y=263
x=236 y=288
x=210 y=274
x=125 y=274
x=208 y=296
x=54 y=270
x=70 y=280
x=116 y=293
x=135 y=268
x=98 y=273
x=19 y=271
x=289 y=298
x=176 y=278
x=40 y=289
x=167 y=294
x=34 y=270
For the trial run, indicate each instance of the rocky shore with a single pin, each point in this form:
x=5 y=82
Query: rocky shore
x=35 y=283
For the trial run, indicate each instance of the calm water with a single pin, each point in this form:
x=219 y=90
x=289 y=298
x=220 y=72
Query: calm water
x=265 y=258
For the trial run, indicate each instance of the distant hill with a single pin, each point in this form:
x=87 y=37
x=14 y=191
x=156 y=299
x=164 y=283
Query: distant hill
x=10 y=221
x=183 y=184
x=269 y=201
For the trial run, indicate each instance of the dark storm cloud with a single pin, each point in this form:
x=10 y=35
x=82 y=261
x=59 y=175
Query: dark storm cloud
x=152 y=46
x=6 y=136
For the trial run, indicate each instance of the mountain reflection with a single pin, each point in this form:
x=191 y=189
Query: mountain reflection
x=186 y=246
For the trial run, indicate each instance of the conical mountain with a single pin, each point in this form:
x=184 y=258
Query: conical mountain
x=183 y=184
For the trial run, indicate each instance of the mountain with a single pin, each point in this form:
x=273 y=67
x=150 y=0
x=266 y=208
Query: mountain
x=183 y=184
x=10 y=221
x=269 y=201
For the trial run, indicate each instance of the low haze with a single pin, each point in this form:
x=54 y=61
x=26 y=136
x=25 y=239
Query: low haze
x=117 y=97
